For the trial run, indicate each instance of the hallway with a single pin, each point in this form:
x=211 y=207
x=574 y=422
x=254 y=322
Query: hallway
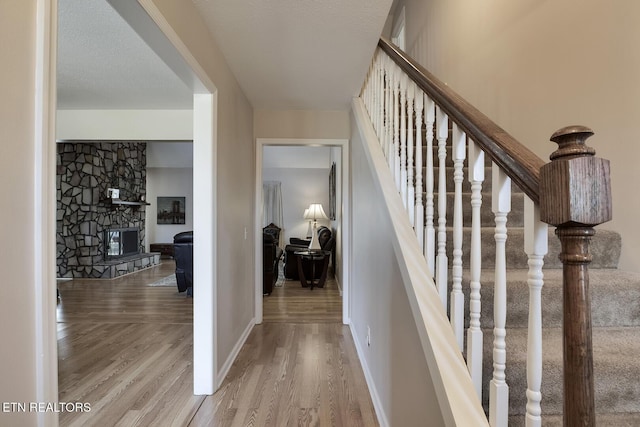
x=126 y=349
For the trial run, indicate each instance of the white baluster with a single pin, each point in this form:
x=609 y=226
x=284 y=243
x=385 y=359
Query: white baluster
x=411 y=192
x=396 y=125
x=442 y=262
x=389 y=113
x=474 y=333
x=368 y=99
x=381 y=100
x=404 y=82
x=458 y=153
x=372 y=89
x=429 y=232
x=419 y=215
x=536 y=246
x=498 y=389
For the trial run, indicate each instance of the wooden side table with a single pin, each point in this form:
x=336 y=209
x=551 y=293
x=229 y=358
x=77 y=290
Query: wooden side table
x=165 y=249
x=314 y=257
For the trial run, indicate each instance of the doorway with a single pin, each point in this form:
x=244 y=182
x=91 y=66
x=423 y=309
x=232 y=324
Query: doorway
x=342 y=223
x=202 y=129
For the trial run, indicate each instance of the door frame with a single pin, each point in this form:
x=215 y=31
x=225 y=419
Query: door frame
x=345 y=216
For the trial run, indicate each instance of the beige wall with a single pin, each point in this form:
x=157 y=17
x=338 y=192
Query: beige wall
x=17 y=166
x=536 y=66
x=301 y=124
x=235 y=178
x=395 y=362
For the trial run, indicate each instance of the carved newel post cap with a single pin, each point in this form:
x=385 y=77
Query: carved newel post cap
x=571 y=142
x=575 y=188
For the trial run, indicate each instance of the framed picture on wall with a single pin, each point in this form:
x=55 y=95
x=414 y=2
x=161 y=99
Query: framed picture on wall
x=332 y=192
x=171 y=210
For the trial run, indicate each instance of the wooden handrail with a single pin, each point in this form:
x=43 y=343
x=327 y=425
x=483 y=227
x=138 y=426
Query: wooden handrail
x=516 y=160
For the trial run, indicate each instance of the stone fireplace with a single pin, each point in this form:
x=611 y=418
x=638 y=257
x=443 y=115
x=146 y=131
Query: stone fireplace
x=85 y=213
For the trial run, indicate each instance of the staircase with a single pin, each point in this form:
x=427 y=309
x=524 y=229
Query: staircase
x=615 y=302
x=397 y=113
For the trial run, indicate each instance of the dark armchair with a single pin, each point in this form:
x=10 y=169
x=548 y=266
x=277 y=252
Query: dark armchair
x=327 y=243
x=183 y=254
x=271 y=253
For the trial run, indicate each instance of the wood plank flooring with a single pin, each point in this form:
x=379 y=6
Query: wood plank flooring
x=290 y=302
x=126 y=348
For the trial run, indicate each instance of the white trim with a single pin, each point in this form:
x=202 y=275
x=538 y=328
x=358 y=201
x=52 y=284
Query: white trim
x=44 y=204
x=205 y=331
x=371 y=385
x=345 y=216
x=224 y=370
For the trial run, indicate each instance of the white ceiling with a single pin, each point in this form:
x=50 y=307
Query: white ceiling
x=286 y=54
x=104 y=64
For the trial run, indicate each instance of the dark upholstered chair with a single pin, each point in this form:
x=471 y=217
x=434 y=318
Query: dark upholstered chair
x=271 y=258
x=183 y=254
x=327 y=243
x=274 y=231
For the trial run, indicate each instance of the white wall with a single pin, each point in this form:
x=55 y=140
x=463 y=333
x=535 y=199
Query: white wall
x=395 y=361
x=336 y=157
x=534 y=67
x=130 y=125
x=300 y=188
x=169 y=173
x=167 y=182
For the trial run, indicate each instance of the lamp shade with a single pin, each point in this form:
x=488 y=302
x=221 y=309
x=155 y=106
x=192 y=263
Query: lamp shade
x=316 y=212
x=305 y=215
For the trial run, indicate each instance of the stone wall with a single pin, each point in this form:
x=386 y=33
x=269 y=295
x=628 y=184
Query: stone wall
x=84 y=173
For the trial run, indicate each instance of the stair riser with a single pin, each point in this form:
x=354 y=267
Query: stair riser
x=611 y=304
x=466 y=185
x=605 y=249
x=616 y=370
x=487 y=217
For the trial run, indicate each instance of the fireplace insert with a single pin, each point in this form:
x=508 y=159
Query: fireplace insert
x=121 y=242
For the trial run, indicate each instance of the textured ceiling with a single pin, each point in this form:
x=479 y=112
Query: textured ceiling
x=297 y=54
x=104 y=64
x=286 y=54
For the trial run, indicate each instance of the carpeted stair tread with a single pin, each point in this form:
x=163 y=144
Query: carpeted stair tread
x=466 y=185
x=602 y=420
x=615 y=298
x=605 y=248
x=616 y=369
x=487 y=218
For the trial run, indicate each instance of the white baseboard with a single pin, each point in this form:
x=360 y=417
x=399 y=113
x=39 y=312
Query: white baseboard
x=375 y=398
x=234 y=353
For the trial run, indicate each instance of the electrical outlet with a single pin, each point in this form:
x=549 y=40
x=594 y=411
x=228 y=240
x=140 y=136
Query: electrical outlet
x=368 y=336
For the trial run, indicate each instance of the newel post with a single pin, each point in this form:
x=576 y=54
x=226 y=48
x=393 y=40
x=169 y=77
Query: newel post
x=575 y=196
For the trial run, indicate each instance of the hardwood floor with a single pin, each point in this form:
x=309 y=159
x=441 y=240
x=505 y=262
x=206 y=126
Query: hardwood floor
x=126 y=349
x=290 y=302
